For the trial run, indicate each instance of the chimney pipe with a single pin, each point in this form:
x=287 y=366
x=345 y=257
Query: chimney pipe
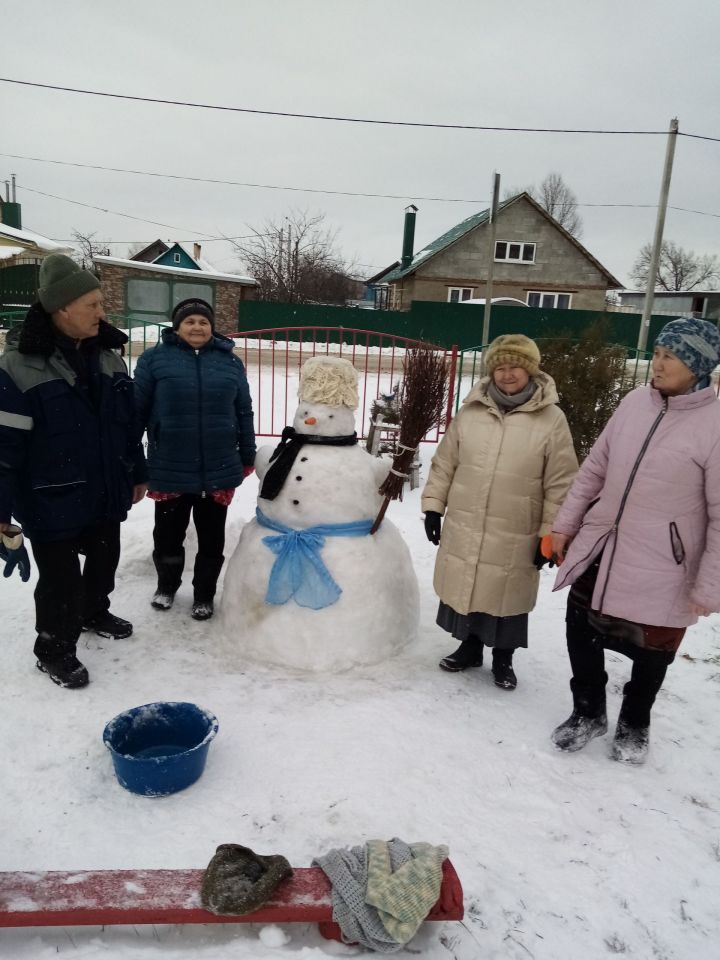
x=408 y=236
x=14 y=198
x=197 y=250
x=7 y=190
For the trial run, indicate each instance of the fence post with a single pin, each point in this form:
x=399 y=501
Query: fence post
x=451 y=388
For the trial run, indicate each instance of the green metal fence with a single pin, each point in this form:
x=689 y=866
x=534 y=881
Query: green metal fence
x=446 y=324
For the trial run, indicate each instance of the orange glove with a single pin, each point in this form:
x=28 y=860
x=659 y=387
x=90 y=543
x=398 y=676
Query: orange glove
x=546 y=546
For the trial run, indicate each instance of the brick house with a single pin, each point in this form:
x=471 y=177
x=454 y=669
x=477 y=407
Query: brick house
x=148 y=289
x=536 y=261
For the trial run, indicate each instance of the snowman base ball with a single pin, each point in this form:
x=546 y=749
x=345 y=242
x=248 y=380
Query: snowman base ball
x=375 y=616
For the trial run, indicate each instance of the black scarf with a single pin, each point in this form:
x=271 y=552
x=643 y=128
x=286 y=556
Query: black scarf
x=284 y=456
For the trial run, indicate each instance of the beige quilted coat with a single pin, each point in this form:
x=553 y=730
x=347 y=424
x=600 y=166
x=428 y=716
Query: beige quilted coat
x=502 y=479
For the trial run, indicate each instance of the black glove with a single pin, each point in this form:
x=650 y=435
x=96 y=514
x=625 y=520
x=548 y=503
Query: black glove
x=540 y=559
x=432 y=526
x=13 y=552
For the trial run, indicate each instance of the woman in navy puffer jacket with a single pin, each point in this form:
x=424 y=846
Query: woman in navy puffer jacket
x=192 y=397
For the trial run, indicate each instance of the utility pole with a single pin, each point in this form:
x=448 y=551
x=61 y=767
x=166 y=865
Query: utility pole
x=492 y=233
x=657 y=242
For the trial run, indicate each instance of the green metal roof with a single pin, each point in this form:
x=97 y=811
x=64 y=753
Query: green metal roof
x=448 y=238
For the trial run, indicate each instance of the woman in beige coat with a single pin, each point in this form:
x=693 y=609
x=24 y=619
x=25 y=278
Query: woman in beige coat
x=501 y=472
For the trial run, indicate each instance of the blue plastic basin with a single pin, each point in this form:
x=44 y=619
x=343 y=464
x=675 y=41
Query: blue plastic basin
x=160 y=748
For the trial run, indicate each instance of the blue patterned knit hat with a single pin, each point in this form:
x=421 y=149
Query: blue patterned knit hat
x=695 y=342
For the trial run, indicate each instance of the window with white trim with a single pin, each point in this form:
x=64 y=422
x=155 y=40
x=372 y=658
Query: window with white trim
x=512 y=251
x=552 y=301
x=176 y=257
x=458 y=294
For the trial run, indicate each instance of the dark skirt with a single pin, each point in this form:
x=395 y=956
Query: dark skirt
x=504 y=633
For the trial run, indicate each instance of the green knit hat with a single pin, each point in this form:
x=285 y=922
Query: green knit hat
x=62 y=281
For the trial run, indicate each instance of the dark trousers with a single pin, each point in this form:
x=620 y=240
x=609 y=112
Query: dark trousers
x=587 y=659
x=65 y=595
x=171 y=522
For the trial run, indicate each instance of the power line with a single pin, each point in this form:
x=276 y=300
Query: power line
x=117 y=213
x=342 y=193
x=338 y=119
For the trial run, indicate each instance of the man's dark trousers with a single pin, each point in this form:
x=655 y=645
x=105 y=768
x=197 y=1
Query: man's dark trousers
x=67 y=596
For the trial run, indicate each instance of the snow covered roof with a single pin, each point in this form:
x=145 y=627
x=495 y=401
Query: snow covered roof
x=205 y=268
x=14 y=242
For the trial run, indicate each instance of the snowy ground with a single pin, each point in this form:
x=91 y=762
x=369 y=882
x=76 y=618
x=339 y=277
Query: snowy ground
x=560 y=856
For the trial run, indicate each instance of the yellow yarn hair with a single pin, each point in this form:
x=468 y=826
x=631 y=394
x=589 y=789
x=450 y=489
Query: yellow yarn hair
x=331 y=380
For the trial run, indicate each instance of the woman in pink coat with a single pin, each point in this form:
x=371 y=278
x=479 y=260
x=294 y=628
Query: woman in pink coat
x=639 y=538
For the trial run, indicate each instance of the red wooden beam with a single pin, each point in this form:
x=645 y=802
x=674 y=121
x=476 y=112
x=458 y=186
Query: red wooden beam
x=97 y=897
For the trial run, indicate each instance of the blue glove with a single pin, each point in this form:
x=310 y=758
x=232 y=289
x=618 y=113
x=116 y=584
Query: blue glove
x=14 y=553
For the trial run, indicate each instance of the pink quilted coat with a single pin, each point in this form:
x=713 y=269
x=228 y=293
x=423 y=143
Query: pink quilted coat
x=653 y=479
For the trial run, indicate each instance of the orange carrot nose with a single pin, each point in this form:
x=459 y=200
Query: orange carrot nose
x=310 y=421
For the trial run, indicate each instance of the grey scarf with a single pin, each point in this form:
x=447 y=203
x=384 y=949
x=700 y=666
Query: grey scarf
x=506 y=402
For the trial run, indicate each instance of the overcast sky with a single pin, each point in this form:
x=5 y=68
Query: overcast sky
x=612 y=64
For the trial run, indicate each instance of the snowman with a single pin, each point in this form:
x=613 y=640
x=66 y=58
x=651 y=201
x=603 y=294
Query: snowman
x=308 y=586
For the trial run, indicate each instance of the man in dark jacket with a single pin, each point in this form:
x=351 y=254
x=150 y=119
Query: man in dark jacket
x=70 y=462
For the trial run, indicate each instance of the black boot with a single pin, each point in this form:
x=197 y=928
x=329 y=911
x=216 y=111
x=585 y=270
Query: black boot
x=632 y=734
x=107 y=624
x=502 y=669
x=631 y=744
x=468 y=654
x=588 y=719
x=57 y=659
x=205 y=577
x=169 y=571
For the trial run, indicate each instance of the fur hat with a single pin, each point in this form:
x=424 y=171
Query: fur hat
x=331 y=380
x=238 y=881
x=188 y=308
x=695 y=342
x=515 y=349
x=62 y=281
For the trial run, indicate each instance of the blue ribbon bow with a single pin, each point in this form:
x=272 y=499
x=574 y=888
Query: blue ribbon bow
x=299 y=572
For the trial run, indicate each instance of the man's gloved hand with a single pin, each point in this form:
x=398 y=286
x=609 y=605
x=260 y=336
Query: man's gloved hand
x=14 y=553
x=432 y=526
x=544 y=554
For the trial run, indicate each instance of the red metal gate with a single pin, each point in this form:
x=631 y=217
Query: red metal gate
x=273 y=358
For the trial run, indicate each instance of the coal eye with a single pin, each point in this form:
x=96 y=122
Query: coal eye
x=330 y=416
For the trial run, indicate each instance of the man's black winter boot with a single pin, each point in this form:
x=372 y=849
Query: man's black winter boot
x=502 y=669
x=468 y=654
x=107 y=625
x=66 y=671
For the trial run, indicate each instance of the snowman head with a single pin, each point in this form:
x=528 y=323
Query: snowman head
x=328 y=397
x=324 y=420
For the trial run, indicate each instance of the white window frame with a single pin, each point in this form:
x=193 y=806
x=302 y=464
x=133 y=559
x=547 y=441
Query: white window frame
x=515 y=243
x=550 y=293
x=460 y=290
x=176 y=257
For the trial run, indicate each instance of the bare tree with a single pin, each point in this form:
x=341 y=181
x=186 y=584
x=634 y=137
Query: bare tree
x=87 y=248
x=134 y=248
x=678 y=269
x=558 y=199
x=297 y=261
x=560 y=202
